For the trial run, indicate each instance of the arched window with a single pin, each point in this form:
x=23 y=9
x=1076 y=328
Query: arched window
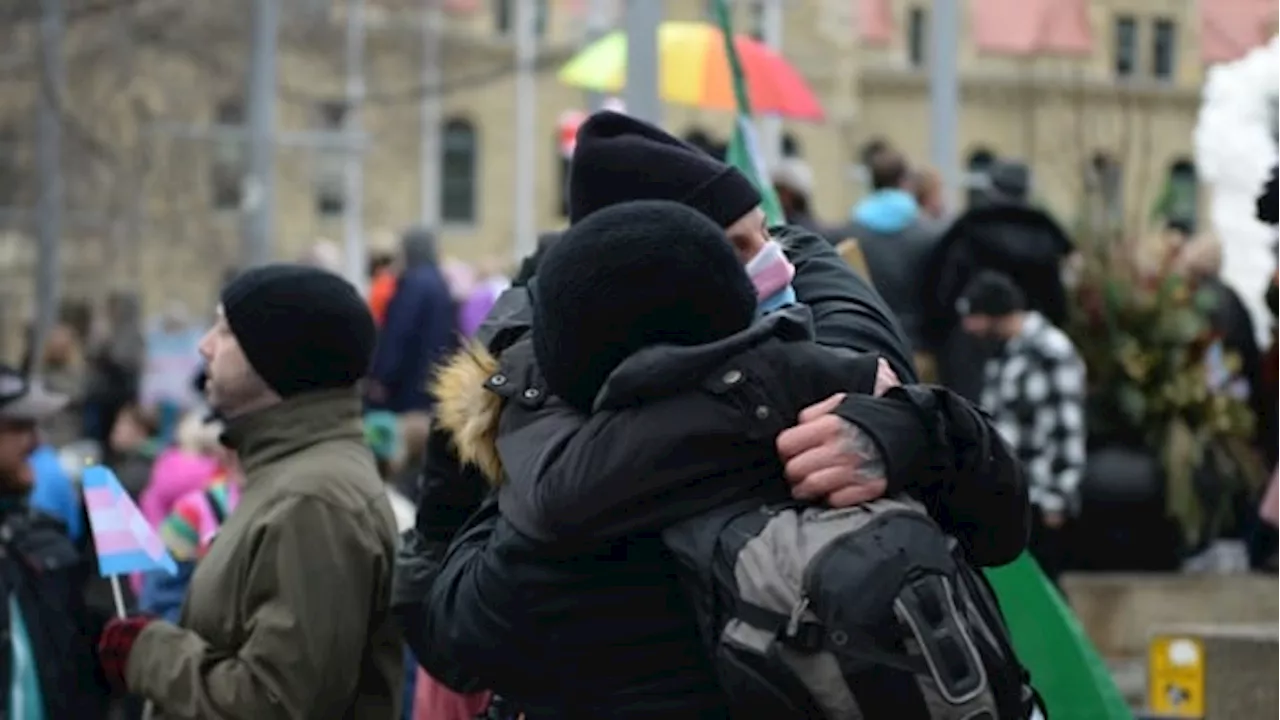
x=458 y=172
x=229 y=159
x=1179 y=200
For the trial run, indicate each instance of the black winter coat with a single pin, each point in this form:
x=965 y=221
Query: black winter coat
x=681 y=431
x=603 y=631
x=897 y=262
x=1020 y=241
x=40 y=565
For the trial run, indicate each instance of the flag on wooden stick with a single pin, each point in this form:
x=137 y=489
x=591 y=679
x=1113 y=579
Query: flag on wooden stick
x=744 y=150
x=125 y=541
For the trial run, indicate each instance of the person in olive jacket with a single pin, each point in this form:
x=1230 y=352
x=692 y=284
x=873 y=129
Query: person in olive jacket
x=610 y=635
x=286 y=615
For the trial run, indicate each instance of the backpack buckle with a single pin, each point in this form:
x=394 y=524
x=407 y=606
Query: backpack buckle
x=800 y=635
x=797 y=612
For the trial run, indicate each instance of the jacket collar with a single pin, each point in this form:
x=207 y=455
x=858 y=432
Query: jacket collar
x=665 y=370
x=508 y=320
x=265 y=436
x=1033 y=324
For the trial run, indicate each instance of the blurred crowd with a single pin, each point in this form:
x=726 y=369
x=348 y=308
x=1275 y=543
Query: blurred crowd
x=134 y=399
x=981 y=293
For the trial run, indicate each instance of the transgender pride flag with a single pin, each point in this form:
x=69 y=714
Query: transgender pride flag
x=124 y=539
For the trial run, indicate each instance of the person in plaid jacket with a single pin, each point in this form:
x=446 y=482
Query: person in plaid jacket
x=1034 y=389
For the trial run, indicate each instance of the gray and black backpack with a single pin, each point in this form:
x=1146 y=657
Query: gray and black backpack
x=864 y=613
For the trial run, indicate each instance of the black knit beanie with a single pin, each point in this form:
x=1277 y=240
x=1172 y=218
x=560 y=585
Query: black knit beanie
x=991 y=293
x=301 y=328
x=625 y=278
x=619 y=159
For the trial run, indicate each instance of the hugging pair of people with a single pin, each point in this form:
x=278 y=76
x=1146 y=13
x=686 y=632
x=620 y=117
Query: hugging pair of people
x=641 y=379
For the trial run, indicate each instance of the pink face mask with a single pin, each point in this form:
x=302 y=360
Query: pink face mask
x=770 y=270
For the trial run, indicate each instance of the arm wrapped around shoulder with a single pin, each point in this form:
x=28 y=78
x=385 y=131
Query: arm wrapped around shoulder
x=944 y=451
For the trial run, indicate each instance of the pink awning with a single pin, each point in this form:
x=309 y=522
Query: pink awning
x=1026 y=27
x=875 y=21
x=1231 y=28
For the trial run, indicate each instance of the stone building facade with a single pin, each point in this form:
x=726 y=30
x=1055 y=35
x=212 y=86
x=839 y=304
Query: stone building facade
x=154 y=164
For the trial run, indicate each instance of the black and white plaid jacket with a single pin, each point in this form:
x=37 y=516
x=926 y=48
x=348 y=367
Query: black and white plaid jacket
x=1035 y=392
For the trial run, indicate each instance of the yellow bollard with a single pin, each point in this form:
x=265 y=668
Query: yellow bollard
x=1175 y=677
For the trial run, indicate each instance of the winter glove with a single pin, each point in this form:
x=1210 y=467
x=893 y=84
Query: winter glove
x=114 y=646
x=1269 y=203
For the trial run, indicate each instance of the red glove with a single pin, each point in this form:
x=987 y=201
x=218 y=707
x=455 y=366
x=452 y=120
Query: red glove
x=114 y=646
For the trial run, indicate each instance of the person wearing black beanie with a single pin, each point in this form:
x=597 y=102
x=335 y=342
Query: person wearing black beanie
x=630 y=276
x=300 y=329
x=464 y=612
x=1034 y=387
x=313 y=542
x=619 y=159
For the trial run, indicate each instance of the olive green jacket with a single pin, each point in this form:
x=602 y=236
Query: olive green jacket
x=286 y=617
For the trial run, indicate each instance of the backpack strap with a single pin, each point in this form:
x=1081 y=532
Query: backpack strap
x=807 y=636
x=812 y=637
x=987 y=605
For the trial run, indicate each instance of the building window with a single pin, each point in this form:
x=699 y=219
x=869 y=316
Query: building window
x=504 y=17
x=12 y=178
x=329 y=180
x=1126 y=46
x=458 y=176
x=1164 y=49
x=917 y=37
x=1178 y=203
x=227 y=176
x=331 y=115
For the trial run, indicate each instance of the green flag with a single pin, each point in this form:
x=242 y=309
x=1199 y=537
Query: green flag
x=744 y=149
x=1073 y=680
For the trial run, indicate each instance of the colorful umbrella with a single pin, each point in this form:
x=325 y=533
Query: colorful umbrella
x=693 y=70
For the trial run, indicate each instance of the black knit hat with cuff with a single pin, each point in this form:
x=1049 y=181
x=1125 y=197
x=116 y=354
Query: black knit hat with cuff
x=620 y=159
x=300 y=327
x=629 y=277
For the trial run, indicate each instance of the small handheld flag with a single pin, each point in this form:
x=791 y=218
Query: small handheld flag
x=125 y=541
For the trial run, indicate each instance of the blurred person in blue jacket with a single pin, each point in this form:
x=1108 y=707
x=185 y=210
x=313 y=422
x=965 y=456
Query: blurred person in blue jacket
x=420 y=329
x=54 y=491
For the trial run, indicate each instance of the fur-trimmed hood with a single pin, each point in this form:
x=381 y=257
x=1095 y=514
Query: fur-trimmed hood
x=469 y=410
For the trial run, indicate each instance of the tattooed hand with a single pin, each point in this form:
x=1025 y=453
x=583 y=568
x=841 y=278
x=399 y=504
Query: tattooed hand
x=828 y=457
